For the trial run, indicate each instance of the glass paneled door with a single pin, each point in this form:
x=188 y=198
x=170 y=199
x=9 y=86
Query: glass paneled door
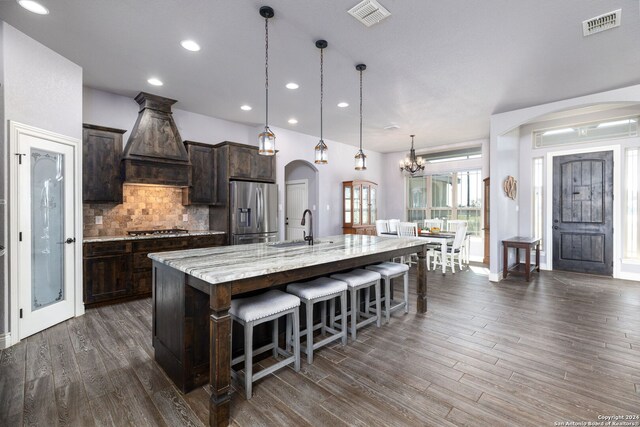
x=46 y=225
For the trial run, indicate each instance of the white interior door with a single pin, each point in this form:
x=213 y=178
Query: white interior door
x=46 y=228
x=297 y=200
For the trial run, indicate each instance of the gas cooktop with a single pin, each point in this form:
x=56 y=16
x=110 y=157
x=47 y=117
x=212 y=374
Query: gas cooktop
x=157 y=231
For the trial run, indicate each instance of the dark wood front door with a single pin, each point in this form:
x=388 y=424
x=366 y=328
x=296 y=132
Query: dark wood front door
x=583 y=213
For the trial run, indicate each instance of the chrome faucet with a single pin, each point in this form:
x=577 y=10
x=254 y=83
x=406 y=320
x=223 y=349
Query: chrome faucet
x=308 y=238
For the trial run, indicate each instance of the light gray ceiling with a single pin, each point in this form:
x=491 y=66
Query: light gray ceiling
x=438 y=69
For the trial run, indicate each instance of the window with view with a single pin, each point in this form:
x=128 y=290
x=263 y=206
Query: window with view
x=452 y=196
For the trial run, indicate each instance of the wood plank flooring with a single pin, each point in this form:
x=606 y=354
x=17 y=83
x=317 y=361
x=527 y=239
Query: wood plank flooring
x=565 y=347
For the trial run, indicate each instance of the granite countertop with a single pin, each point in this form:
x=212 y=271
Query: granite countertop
x=228 y=263
x=151 y=236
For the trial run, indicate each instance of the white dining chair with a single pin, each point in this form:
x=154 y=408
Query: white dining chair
x=393 y=225
x=449 y=257
x=452 y=226
x=408 y=229
x=430 y=223
x=382 y=226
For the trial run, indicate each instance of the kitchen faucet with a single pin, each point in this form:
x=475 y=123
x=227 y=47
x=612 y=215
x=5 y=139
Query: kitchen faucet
x=308 y=238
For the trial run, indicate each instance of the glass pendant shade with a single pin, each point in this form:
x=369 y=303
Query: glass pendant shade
x=267 y=142
x=322 y=153
x=361 y=161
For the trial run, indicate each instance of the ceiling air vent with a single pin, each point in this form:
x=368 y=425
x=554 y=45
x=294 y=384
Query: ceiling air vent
x=601 y=23
x=369 y=12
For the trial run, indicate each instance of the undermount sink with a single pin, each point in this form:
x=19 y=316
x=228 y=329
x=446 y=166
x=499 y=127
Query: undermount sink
x=294 y=243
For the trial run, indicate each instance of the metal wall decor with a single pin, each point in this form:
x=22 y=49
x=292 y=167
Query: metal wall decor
x=266 y=139
x=510 y=186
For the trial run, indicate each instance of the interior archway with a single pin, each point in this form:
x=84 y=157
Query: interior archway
x=299 y=171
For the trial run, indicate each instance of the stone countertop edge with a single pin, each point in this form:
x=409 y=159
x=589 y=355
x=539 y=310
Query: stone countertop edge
x=99 y=239
x=228 y=263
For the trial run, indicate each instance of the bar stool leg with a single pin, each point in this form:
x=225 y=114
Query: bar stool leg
x=406 y=291
x=309 y=306
x=378 y=313
x=288 y=334
x=323 y=318
x=367 y=297
x=248 y=358
x=274 y=338
x=354 y=313
x=332 y=312
x=387 y=298
x=296 y=340
x=343 y=307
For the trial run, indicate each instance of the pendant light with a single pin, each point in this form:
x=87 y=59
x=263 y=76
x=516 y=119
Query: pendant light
x=412 y=164
x=361 y=159
x=322 y=151
x=266 y=139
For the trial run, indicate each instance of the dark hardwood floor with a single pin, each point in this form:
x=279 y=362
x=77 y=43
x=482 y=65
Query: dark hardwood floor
x=565 y=347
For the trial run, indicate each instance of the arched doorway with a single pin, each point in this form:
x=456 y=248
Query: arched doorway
x=301 y=192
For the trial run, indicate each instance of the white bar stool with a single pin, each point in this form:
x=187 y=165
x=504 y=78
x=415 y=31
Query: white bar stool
x=258 y=309
x=320 y=290
x=356 y=280
x=388 y=271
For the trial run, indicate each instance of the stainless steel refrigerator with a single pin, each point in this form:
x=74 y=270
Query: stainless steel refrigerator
x=254 y=212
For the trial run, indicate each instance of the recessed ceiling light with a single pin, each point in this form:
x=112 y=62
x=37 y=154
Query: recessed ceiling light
x=33 y=6
x=392 y=126
x=292 y=121
x=343 y=104
x=190 y=45
x=246 y=108
x=155 y=82
x=292 y=85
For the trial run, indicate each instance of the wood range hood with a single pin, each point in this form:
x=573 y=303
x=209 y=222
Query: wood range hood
x=154 y=153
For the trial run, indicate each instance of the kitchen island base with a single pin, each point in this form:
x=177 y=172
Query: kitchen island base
x=186 y=307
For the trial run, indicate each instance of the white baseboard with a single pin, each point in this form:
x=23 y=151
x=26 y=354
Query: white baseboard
x=628 y=276
x=495 y=277
x=5 y=340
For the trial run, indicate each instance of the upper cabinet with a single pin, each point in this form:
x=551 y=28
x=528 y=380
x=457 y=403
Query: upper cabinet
x=245 y=163
x=203 y=176
x=360 y=207
x=101 y=155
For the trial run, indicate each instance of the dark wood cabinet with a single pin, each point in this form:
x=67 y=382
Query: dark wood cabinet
x=359 y=207
x=243 y=162
x=203 y=176
x=114 y=270
x=101 y=155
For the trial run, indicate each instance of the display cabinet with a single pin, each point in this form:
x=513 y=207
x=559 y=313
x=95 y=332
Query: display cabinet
x=360 y=207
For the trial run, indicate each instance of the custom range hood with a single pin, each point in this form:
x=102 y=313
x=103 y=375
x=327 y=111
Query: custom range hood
x=154 y=153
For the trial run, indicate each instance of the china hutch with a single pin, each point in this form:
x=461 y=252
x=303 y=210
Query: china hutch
x=360 y=207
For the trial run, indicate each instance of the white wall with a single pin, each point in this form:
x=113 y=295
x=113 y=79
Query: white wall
x=502 y=125
x=503 y=211
x=41 y=89
x=107 y=109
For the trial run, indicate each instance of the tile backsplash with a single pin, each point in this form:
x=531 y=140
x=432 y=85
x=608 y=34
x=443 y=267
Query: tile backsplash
x=144 y=207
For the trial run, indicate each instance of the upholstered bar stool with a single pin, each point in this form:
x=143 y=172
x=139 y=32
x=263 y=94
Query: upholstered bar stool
x=356 y=280
x=258 y=309
x=388 y=271
x=319 y=290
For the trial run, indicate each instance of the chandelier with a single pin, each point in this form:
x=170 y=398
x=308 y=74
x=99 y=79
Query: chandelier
x=412 y=164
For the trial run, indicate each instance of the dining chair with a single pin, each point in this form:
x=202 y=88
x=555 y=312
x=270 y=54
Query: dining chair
x=408 y=229
x=382 y=226
x=449 y=257
x=452 y=226
x=393 y=225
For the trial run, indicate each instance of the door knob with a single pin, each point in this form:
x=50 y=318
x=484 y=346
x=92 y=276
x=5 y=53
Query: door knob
x=70 y=240
x=555 y=227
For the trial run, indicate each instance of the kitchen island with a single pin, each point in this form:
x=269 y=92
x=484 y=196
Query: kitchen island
x=192 y=291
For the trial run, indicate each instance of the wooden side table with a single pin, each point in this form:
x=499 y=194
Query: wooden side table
x=520 y=242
